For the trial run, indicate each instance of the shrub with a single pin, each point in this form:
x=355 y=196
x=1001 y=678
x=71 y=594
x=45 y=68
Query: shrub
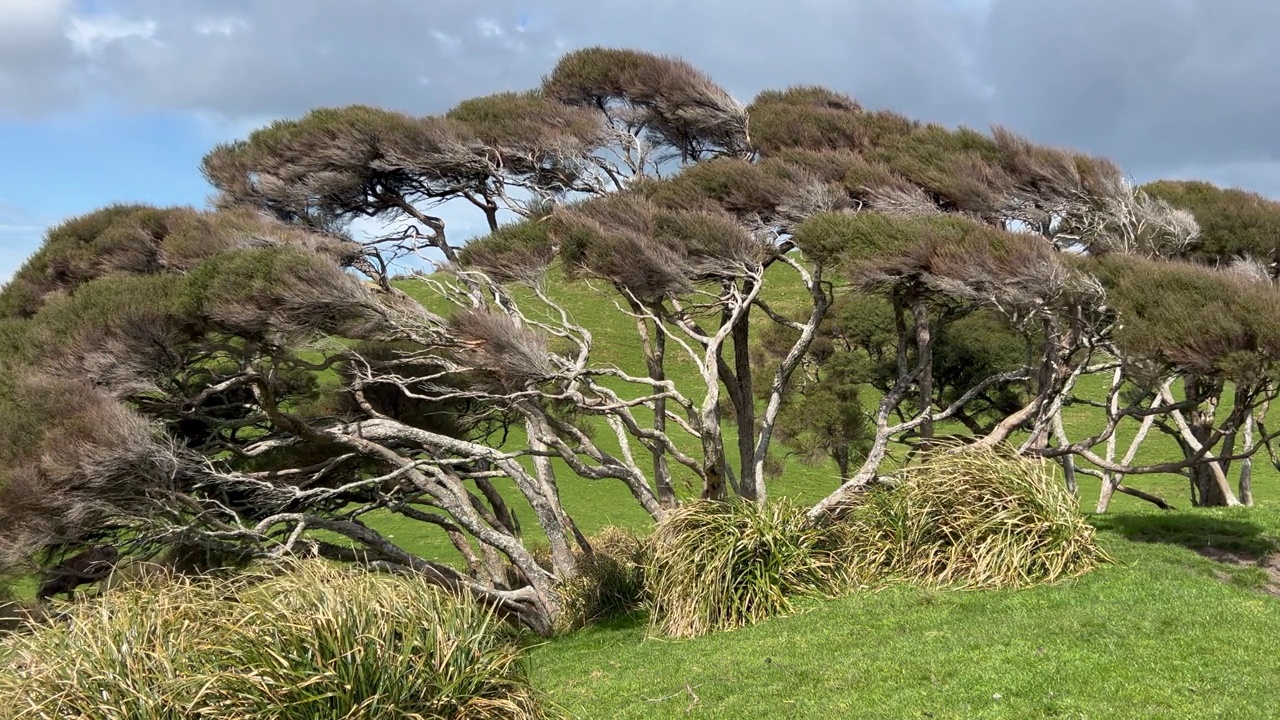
x=316 y=642
x=610 y=582
x=970 y=519
x=724 y=565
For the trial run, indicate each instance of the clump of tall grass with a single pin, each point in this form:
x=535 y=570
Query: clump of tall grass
x=611 y=580
x=724 y=565
x=143 y=654
x=316 y=642
x=969 y=519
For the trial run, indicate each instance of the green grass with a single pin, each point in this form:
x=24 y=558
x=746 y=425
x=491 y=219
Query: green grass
x=1155 y=635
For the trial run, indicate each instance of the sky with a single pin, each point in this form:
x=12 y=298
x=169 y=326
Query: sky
x=106 y=101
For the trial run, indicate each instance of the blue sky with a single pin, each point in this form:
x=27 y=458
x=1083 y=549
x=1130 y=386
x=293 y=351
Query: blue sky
x=108 y=101
x=72 y=163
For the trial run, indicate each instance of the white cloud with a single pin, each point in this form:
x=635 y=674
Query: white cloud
x=449 y=46
x=226 y=27
x=89 y=34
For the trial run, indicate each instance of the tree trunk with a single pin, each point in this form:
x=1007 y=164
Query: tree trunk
x=714 y=470
x=1068 y=461
x=1246 y=465
x=1109 y=484
x=924 y=350
x=557 y=531
x=1069 y=475
x=750 y=484
x=1208 y=477
x=655 y=354
x=1209 y=485
x=1112 y=481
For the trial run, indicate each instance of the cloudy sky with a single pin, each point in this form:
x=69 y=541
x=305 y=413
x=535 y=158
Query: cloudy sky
x=117 y=100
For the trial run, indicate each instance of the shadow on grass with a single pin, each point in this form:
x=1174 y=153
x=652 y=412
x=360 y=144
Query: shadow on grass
x=633 y=621
x=1192 y=530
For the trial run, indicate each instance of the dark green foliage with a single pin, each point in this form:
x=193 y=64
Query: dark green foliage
x=117 y=239
x=1233 y=223
x=865 y=239
x=282 y=290
x=824 y=416
x=957 y=167
x=648 y=250
x=136 y=240
x=524 y=121
x=1189 y=318
x=740 y=187
x=519 y=251
x=337 y=163
x=808 y=117
x=968 y=351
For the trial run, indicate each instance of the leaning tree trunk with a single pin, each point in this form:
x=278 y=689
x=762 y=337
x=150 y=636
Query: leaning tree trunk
x=1112 y=481
x=1208 y=480
x=1207 y=477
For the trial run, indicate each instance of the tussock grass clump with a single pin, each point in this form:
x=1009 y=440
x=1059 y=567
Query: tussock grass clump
x=143 y=654
x=610 y=581
x=316 y=642
x=725 y=565
x=970 y=519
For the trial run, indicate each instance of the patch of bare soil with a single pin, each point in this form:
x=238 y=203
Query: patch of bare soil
x=1270 y=564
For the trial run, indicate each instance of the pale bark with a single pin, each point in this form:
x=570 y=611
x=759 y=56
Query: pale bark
x=1207 y=474
x=1246 y=465
x=924 y=385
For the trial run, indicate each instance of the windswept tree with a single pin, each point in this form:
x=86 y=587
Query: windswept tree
x=250 y=379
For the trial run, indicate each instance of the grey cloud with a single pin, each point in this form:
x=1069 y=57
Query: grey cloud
x=36 y=57
x=1156 y=84
x=1160 y=85
x=273 y=59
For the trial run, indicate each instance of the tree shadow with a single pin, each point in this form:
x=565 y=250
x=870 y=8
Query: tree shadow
x=632 y=621
x=1195 y=531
